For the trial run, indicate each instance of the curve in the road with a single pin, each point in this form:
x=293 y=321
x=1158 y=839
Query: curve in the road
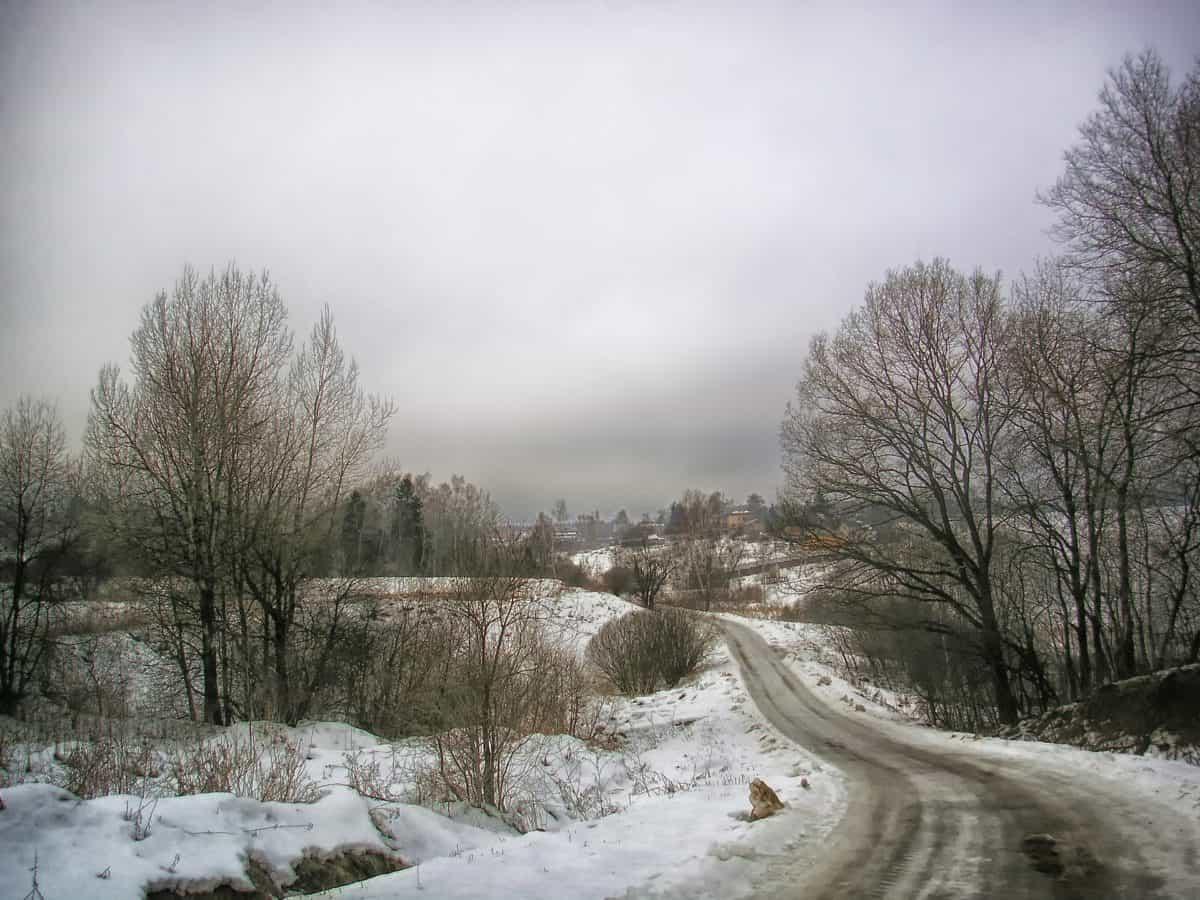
x=927 y=823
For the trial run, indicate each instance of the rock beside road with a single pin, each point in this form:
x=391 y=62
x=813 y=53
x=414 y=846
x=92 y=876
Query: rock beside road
x=763 y=800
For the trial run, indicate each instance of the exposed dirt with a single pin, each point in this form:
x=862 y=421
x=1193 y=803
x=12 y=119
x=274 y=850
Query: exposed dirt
x=313 y=874
x=1155 y=714
x=923 y=822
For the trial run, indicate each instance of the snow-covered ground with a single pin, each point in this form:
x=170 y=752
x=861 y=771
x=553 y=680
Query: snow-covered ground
x=658 y=808
x=791 y=585
x=120 y=846
x=677 y=802
x=595 y=562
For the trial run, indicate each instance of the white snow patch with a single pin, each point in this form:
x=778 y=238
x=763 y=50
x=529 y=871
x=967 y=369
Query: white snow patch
x=595 y=562
x=87 y=848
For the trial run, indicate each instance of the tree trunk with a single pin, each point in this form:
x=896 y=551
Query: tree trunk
x=208 y=656
x=1126 y=663
x=283 y=687
x=1081 y=638
x=993 y=656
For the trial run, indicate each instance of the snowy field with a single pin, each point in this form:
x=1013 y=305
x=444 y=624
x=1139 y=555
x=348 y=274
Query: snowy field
x=594 y=562
x=788 y=588
x=676 y=799
x=658 y=808
x=655 y=808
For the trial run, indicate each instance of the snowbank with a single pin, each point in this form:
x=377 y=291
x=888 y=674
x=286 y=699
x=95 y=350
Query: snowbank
x=122 y=846
x=673 y=805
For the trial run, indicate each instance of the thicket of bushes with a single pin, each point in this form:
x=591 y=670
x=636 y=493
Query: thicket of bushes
x=910 y=647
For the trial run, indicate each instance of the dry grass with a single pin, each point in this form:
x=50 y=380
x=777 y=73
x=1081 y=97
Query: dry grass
x=91 y=617
x=117 y=764
x=269 y=770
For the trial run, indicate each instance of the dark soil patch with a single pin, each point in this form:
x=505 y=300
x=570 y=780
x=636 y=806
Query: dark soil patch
x=313 y=875
x=1157 y=714
x=1076 y=871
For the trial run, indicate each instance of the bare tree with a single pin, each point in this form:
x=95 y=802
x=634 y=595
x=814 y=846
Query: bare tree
x=38 y=527
x=205 y=363
x=706 y=558
x=650 y=569
x=461 y=521
x=897 y=419
x=1054 y=470
x=288 y=488
x=1130 y=224
x=708 y=564
x=1128 y=197
x=502 y=684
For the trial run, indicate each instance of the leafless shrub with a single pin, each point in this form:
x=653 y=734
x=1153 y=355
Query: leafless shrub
x=527 y=690
x=390 y=669
x=624 y=651
x=912 y=648
x=574 y=575
x=504 y=685
x=732 y=599
x=580 y=785
x=8 y=755
x=747 y=595
x=140 y=815
x=640 y=651
x=618 y=580
x=98 y=618
x=684 y=642
x=88 y=674
x=114 y=764
x=267 y=770
x=379 y=778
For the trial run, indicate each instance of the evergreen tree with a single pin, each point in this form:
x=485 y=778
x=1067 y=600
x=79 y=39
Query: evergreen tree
x=352 y=526
x=408 y=528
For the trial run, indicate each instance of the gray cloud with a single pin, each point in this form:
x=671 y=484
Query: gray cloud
x=583 y=246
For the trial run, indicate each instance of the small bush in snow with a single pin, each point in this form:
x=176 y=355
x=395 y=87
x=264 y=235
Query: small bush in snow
x=267 y=770
x=574 y=575
x=114 y=764
x=684 y=642
x=618 y=580
x=641 y=651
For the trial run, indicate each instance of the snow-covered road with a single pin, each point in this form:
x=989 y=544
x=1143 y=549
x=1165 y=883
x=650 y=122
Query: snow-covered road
x=928 y=820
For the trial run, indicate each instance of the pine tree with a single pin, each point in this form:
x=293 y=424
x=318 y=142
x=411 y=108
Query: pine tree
x=408 y=528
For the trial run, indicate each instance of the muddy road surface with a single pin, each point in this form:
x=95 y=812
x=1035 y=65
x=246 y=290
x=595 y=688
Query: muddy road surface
x=925 y=821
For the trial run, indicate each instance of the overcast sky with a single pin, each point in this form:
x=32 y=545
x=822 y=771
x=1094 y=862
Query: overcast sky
x=584 y=246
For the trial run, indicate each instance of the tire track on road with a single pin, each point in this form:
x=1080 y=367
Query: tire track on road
x=944 y=824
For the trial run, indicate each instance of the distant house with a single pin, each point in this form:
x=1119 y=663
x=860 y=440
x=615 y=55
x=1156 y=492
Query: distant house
x=739 y=518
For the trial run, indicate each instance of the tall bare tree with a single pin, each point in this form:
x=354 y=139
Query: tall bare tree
x=898 y=419
x=1056 y=471
x=288 y=488
x=461 y=522
x=38 y=528
x=205 y=362
x=1130 y=195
